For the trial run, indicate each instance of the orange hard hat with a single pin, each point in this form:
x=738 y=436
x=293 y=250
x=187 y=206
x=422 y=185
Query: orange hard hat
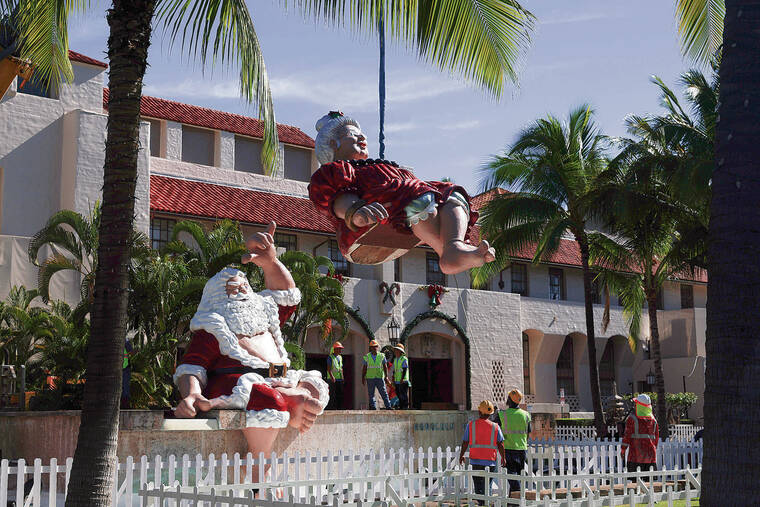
x=337 y=345
x=486 y=407
x=374 y=343
x=516 y=396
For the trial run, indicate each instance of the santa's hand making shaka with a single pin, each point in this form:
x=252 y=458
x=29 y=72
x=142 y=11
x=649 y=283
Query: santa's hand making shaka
x=236 y=359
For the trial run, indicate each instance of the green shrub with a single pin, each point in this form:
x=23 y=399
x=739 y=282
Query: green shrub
x=574 y=422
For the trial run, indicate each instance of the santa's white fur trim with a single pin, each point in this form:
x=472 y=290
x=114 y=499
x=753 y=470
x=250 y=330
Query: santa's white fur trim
x=209 y=316
x=191 y=369
x=267 y=418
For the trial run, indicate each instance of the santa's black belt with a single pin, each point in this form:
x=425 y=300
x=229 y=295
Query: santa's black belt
x=274 y=370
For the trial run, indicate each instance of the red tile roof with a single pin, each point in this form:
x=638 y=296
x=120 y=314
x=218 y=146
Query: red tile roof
x=78 y=57
x=185 y=197
x=163 y=109
x=568 y=253
x=482 y=199
x=207 y=200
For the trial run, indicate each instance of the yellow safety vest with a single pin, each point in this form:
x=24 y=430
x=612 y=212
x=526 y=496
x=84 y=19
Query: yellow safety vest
x=374 y=366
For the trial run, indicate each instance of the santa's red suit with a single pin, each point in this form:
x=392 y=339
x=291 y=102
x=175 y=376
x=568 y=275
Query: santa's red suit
x=375 y=181
x=226 y=370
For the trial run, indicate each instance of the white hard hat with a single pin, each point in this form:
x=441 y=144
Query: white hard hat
x=644 y=399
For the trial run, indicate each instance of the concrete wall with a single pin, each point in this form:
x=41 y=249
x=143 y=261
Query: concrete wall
x=146 y=433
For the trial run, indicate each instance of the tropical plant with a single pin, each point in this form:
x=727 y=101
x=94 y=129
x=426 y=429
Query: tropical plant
x=210 y=250
x=22 y=329
x=73 y=241
x=321 y=297
x=554 y=166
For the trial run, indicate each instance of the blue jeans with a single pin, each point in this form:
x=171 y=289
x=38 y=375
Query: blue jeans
x=379 y=384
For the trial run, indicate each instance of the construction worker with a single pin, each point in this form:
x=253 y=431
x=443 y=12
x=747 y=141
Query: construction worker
x=515 y=424
x=373 y=375
x=640 y=437
x=401 y=376
x=335 y=376
x=484 y=438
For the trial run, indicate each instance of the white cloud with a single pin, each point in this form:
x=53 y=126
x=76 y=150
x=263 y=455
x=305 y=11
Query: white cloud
x=580 y=18
x=392 y=128
x=195 y=89
x=462 y=125
x=355 y=94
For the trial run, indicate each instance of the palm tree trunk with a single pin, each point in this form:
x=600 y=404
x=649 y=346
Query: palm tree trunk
x=654 y=332
x=94 y=466
x=732 y=398
x=593 y=369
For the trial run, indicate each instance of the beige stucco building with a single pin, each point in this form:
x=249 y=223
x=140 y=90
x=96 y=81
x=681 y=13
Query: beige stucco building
x=525 y=330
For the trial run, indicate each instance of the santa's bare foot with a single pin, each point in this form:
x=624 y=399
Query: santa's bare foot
x=459 y=256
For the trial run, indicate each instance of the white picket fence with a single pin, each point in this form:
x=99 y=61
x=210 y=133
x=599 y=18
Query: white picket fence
x=450 y=486
x=47 y=486
x=677 y=432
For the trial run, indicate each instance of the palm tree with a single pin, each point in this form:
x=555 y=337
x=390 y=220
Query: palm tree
x=554 y=166
x=655 y=199
x=733 y=331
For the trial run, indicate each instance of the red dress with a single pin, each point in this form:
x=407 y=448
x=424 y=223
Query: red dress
x=375 y=181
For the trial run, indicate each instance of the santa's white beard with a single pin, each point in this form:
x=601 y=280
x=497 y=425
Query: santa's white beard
x=241 y=316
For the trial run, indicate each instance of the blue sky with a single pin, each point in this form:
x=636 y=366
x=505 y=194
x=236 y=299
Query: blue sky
x=600 y=52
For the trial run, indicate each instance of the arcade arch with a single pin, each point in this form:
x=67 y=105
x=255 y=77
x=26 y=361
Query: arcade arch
x=438 y=348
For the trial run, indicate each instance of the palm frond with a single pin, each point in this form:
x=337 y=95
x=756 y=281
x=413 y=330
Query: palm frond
x=700 y=27
x=223 y=30
x=50 y=267
x=67 y=229
x=482 y=40
x=43 y=39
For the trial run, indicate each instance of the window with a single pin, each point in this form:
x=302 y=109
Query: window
x=248 y=155
x=297 y=163
x=565 y=368
x=35 y=86
x=519 y=279
x=498 y=386
x=526 y=363
x=197 y=145
x=287 y=241
x=339 y=262
x=160 y=232
x=687 y=296
x=433 y=273
x=397 y=269
x=155 y=137
x=556 y=284
x=607 y=369
x=596 y=293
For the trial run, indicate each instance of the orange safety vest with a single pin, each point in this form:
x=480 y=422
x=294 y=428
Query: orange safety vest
x=482 y=439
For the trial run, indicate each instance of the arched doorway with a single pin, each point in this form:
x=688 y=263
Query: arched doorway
x=607 y=370
x=566 y=368
x=439 y=355
x=436 y=367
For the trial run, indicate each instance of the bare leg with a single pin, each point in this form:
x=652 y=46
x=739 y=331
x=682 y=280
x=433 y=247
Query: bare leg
x=260 y=440
x=445 y=234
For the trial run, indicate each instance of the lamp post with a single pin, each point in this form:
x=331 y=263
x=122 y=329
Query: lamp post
x=651 y=379
x=393 y=331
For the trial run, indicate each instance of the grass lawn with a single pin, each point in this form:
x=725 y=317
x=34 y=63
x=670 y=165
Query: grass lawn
x=676 y=503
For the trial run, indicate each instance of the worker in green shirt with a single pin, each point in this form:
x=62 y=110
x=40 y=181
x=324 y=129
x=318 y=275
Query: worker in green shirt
x=515 y=425
x=373 y=375
x=401 y=376
x=335 y=377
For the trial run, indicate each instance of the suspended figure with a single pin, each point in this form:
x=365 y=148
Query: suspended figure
x=381 y=210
